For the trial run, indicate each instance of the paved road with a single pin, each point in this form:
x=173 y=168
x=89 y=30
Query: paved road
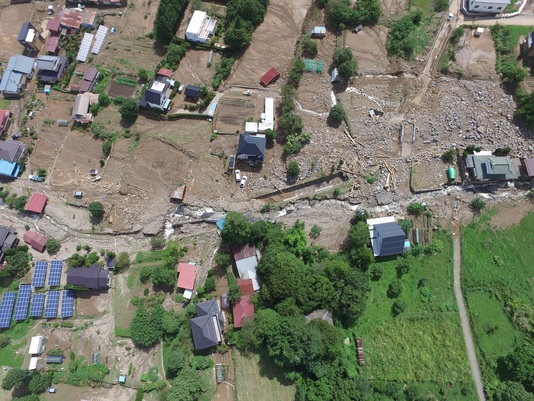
x=468 y=338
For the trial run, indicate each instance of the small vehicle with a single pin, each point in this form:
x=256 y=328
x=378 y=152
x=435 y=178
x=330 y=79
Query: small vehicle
x=357 y=29
x=247 y=92
x=78 y=194
x=181 y=88
x=237 y=175
x=36 y=178
x=51 y=390
x=243 y=181
x=450 y=17
x=231 y=163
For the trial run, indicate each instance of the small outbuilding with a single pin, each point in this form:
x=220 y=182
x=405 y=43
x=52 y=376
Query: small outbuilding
x=178 y=195
x=318 y=32
x=8 y=239
x=387 y=237
x=36 y=203
x=187 y=274
x=192 y=92
x=94 y=277
x=30 y=38
x=37 y=345
x=269 y=77
x=35 y=240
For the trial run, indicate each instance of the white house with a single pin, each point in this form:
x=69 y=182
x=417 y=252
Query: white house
x=201 y=27
x=487 y=6
x=267 y=118
x=37 y=345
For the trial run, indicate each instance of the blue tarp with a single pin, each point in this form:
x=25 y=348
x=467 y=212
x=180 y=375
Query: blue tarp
x=9 y=169
x=220 y=223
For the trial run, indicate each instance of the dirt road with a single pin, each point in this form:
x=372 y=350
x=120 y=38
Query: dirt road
x=465 y=321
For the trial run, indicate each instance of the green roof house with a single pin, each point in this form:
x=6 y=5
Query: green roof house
x=486 y=167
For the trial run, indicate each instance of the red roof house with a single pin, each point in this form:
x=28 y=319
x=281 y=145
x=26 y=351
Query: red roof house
x=54 y=25
x=52 y=44
x=246 y=286
x=35 y=240
x=5 y=120
x=186 y=276
x=37 y=203
x=243 y=310
x=165 y=72
x=269 y=77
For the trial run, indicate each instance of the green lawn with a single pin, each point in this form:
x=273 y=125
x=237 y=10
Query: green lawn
x=425 y=342
x=497 y=281
x=13 y=354
x=4 y=104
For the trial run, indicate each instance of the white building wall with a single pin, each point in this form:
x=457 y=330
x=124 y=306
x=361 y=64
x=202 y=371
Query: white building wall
x=487 y=6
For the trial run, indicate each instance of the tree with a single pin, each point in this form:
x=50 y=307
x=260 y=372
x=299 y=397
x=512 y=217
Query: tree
x=187 y=386
x=290 y=124
x=293 y=170
x=129 y=110
x=122 y=262
x=525 y=107
x=210 y=284
x=106 y=147
x=309 y=46
x=157 y=242
x=53 y=246
x=104 y=100
x=315 y=231
x=403 y=267
x=512 y=391
x=477 y=204
x=142 y=74
x=270 y=134
x=376 y=273
x=394 y=289
x=341 y=56
x=358 y=235
x=166 y=17
x=170 y=324
x=163 y=276
x=512 y=72
x=144 y=334
x=15 y=378
x=347 y=69
x=39 y=382
x=440 y=5
x=96 y=209
x=398 y=307
x=175 y=362
x=19 y=202
x=337 y=113
x=519 y=365
x=406 y=225
x=236 y=229
x=17 y=264
x=239 y=34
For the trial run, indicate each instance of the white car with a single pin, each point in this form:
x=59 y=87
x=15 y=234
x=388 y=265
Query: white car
x=243 y=181
x=450 y=17
x=51 y=390
x=237 y=175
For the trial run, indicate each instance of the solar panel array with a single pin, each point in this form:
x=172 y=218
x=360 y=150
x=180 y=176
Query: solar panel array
x=6 y=309
x=54 y=277
x=99 y=38
x=67 y=303
x=52 y=302
x=23 y=301
x=39 y=276
x=36 y=308
x=84 y=47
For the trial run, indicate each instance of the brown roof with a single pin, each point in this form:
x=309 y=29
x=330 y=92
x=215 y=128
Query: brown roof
x=246 y=286
x=269 y=77
x=52 y=44
x=242 y=311
x=243 y=252
x=54 y=25
x=4 y=120
x=35 y=240
x=70 y=18
x=529 y=165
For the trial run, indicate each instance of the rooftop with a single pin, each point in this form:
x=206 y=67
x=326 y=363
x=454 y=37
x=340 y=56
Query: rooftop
x=35 y=240
x=36 y=203
x=187 y=274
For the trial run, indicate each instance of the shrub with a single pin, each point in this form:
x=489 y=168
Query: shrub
x=394 y=289
x=398 y=307
x=449 y=155
x=403 y=38
x=309 y=46
x=53 y=246
x=337 y=113
x=477 y=204
x=96 y=209
x=315 y=231
x=157 y=242
x=406 y=225
x=502 y=151
x=129 y=110
x=416 y=208
x=293 y=170
x=106 y=147
x=376 y=273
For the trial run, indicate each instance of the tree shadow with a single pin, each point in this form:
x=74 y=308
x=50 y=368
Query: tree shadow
x=269 y=370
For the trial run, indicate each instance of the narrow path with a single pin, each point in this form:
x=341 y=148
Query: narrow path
x=468 y=338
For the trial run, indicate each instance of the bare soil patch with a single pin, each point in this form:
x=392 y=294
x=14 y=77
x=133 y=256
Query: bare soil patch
x=193 y=68
x=369 y=49
x=235 y=109
x=510 y=214
x=115 y=89
x=477 y=55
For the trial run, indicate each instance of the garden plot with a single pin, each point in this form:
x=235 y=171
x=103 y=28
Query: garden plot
x=477 y=55
x=235 y=109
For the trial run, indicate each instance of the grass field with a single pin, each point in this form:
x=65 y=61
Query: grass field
x=425 y=342
x=13 y=354
x=258 y=379
x=497 y=283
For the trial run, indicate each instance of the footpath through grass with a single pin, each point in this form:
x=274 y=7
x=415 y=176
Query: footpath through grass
x=497 y=282
x=424 y=343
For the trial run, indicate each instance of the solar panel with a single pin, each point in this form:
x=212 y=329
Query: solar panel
x=84 y=47
x=54 y=277
x=23 y=301
x=52 y=302
x=6 y=309
x=99 y=38
x=39 y=275
x=36 y=308
x=67 y=303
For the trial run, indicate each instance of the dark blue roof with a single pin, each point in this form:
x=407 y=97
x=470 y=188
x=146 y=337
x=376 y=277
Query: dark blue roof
x=192 y=91
x=251 y=147
x=392 y=238
x=24 y=30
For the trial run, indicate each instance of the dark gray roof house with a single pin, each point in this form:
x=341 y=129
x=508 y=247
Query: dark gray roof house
x=19 y=69
x=192 y=92
x=51 y=68
x=251 y=147
x=207 y=327
x=8 y=239
x=12 y=151
x=94 y=277
x=30 y=38
x=156 y=96
x=389 y=239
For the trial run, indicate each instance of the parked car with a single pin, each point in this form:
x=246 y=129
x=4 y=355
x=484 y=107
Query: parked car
x=78 y=194
x=231 y=163
x=450 y=17
x=36 y=178
x=243 y=181
x=237 y=175
x=51 y=389
x=357 y=29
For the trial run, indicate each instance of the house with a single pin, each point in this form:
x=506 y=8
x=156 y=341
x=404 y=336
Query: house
x=269 y=77
x=243 y=310
x=94 y=277
x=164 y=72
x=201 y=27
x=487 y=6
x=246 y=258
x=528 y=167
x=178 y=194
x=37 y=345
x=35 y=240
x=251 y=147
x=157 y=96
x=52 y=44
x=36 y=203
x=51 y=69
x=96 y=3
x=387 y=237
x=72 y=19
x=8 y=239
x=30 y=38
x=90 y=77
x=10 y=154
x=207 y=327
x=483 y=166
x=318 y=32
x=5 y=120
x=192 y=92
x=81 y=110
x=19 y=69
x=187 y=274
x=267 y=117
x=54 y=26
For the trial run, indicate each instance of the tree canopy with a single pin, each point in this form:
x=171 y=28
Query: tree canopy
x=15 y=378
x=167 y=16
x=96 y=209
x=129 y=110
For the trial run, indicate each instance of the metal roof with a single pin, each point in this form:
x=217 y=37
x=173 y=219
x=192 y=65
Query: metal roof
x=84 y=47
x=269 y=77
x=186 y=276
x=35 y=240
x=37 y=203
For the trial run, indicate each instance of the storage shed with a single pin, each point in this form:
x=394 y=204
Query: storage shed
x=35 y=240
x=269 y=77
x=37 y=345
x=36 y=203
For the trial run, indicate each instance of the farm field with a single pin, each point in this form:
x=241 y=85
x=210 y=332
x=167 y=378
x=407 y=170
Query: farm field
x=259 y=380
x=497 y=282
x=423 y=344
